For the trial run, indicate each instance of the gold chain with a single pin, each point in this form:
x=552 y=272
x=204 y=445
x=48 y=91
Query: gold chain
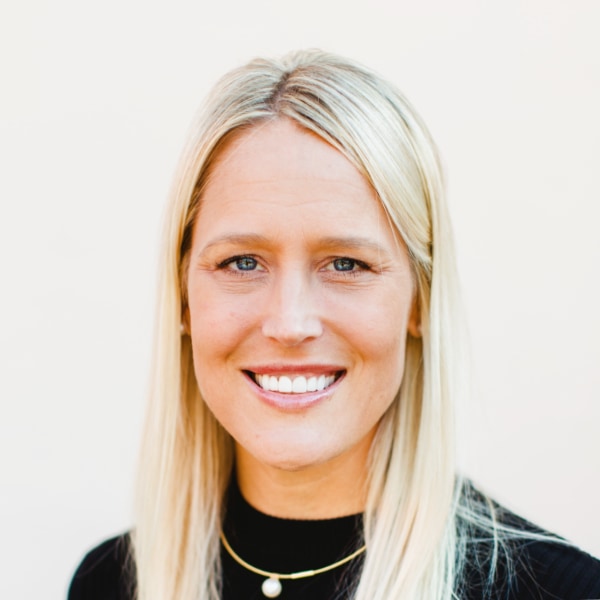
x=298 y=574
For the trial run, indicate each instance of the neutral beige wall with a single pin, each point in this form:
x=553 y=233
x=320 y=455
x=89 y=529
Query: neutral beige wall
x=95 y=101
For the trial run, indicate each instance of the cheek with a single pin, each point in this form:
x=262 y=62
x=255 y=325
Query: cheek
x=379 y=325
x=379 y=334
x=218 y=324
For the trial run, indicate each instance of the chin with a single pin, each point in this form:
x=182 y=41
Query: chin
x=291 y=456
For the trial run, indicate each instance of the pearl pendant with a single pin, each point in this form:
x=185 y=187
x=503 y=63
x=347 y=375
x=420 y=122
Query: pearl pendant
x=271 y=587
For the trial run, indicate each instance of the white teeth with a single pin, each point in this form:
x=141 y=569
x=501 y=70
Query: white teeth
x=298 y=385
x=285 y=385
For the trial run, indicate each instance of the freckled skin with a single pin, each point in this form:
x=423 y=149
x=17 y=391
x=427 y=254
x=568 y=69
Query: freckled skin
x=297 y=209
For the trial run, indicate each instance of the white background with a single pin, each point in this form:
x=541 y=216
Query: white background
x=95 y=102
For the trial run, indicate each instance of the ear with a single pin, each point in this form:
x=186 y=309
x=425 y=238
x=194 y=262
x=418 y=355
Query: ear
x=414 y=319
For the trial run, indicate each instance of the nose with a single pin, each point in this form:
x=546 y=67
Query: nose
x=292 y=311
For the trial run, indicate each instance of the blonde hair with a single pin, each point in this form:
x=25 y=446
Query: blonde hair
x=186 y=460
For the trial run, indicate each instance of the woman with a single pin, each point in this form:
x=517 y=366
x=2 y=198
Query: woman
x=299 y=441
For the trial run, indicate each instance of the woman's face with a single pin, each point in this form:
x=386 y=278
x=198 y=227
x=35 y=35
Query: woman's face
x=300 y=299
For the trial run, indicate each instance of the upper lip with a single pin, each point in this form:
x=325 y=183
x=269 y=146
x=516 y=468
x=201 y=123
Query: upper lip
x=295 y=369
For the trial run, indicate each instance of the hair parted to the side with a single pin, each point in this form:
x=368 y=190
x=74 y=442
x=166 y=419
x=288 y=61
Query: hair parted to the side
x=186 y=460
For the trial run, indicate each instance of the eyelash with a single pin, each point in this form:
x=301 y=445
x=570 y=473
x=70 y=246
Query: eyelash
x=357 y=266
x=362 y=266
x=235 y=259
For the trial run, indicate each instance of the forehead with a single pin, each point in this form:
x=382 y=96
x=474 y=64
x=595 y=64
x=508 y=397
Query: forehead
x=279 y=174
x=283 y=146
x=281 y=157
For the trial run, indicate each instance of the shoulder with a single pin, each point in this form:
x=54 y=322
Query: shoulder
x=105 y=573
x=530 y=563
x=556 y=570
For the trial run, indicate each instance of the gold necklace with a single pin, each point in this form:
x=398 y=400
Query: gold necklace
x=271 y=586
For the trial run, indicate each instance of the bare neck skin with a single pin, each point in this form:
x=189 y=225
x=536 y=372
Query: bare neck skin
x=333 y=489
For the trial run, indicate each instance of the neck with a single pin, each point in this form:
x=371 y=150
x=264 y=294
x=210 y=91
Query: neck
x=326 y=491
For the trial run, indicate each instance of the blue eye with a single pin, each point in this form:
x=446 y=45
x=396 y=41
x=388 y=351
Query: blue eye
x=244 y=263
x=239 y=263
x=344 y=264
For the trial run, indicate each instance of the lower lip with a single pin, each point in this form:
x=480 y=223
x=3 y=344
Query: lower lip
x=294 y=402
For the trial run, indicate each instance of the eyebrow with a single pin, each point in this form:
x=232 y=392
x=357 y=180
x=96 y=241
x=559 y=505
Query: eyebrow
x=352 y=242
x=236 y=238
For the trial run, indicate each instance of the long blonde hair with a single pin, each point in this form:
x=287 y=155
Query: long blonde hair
x=186 y=458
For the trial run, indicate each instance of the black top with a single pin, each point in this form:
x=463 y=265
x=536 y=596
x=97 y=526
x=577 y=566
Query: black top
x=544 y=570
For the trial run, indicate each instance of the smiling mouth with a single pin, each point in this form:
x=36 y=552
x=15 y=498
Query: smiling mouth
x=294 y=384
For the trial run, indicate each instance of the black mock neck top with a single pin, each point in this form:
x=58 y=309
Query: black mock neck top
x=542 y=570
x=288 y=546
